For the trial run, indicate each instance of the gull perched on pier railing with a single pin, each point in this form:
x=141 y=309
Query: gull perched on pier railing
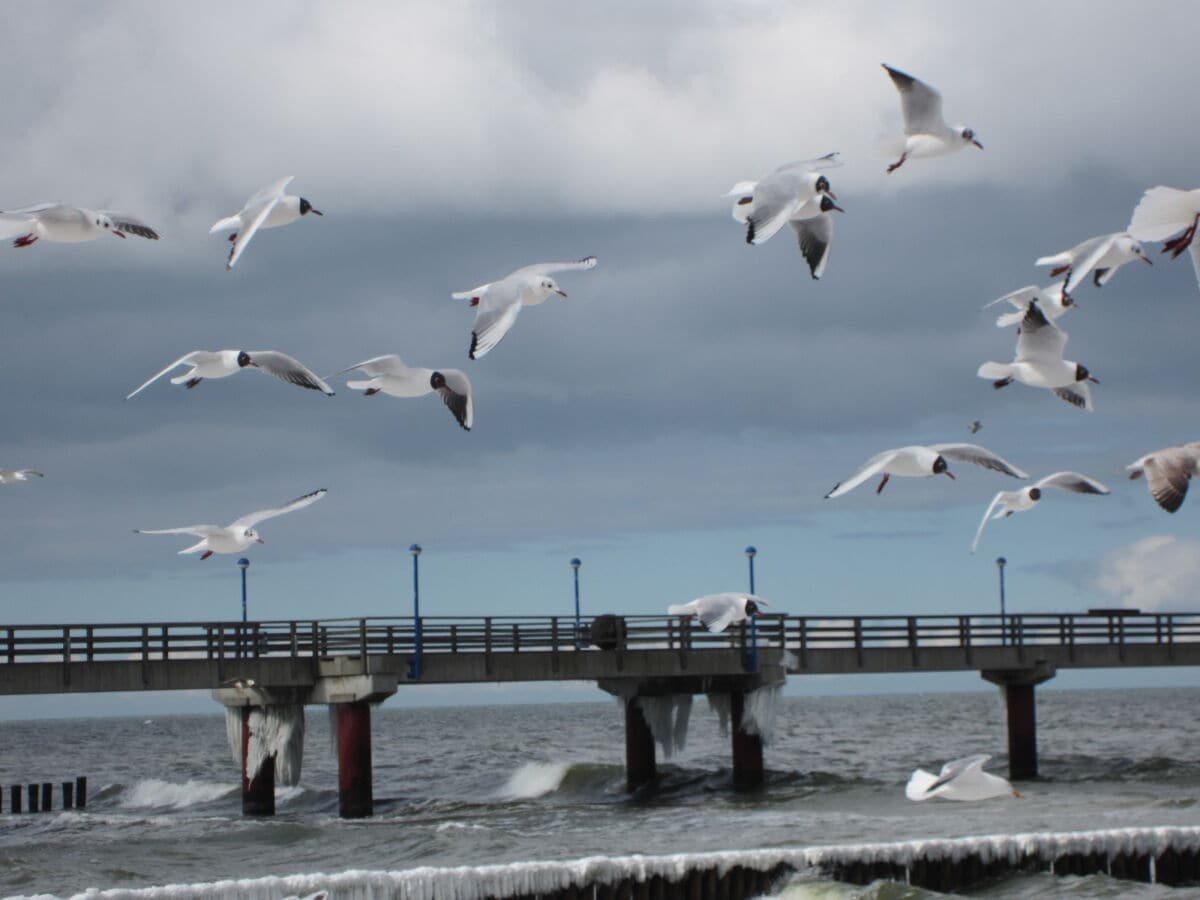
x=236 y=536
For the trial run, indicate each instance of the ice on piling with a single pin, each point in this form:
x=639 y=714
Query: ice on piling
x=276 y=730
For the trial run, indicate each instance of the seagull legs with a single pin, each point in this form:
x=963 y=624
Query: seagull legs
x=206 y=554
x=192 y=382
x=1003 y=382
x=370 y=392
x=25 y=240
x=1175 y=246
x=882 y=482
x=233 y=237
x=1059 y=270
x=898 y=163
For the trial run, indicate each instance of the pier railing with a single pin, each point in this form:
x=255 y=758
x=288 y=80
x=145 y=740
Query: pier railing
x=529 y=634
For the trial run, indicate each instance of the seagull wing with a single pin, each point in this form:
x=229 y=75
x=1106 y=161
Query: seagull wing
x=814 y=236
x=718 y=611
x=1083 y=266
x=289 y=369
x=377 y=365
x=549 y=268
x=131 y=224
x=491 y=324
x=1167 y=474
x=255 y=212
x=998 y=500
x=1019 y=298
x=957 y=767
x=456 y=394
x=872 y=466
x=828 y=161
x=252 y=519
x=776 y=199
x=15 y=222
x=921 y=104
x=1072 y=481
x=186 y=359
x=200 y=531
x=1039 y=339
x=979 y=456
x=1077 y=394
x=1163 y=212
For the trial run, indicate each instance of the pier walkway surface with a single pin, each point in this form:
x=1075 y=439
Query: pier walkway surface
x=264 y=673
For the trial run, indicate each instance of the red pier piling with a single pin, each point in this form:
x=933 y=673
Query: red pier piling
x=640 y=767
x=258 y=792
x=747 y=748
x=356 y=799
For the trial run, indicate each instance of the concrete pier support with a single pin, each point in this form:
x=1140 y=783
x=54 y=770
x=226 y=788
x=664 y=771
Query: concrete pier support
x=640 y=767
x=1018 y=686
x=258 y=788
x=747 y=748
x=356 y=798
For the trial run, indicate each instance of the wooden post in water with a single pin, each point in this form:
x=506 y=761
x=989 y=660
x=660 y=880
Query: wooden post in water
x=31 y=793
x=81 y=792
x=68 y=794
x=355 y=793
x=47 y=796
x=640 y=767
x=1021 y=704
x=14 y=799
x=258 y=788
x=747 y=748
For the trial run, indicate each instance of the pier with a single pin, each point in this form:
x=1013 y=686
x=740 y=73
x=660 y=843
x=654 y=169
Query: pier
x=265 y=673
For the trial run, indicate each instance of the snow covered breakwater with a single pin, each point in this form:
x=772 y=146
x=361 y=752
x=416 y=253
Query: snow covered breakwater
x=1166 y=855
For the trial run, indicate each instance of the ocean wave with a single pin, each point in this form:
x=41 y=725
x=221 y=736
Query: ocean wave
x=534 y=779
x=154 y=793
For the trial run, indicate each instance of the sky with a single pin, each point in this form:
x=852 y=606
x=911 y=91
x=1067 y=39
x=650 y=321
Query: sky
x=693 y=395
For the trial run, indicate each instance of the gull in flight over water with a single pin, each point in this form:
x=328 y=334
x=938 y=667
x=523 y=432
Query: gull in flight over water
x=1099 y=257
x=14 y=476
x=919 y=461
x=267 y=208
x=223 y=363
x=718 y=611
x=68 y=224
x=1039 y=361
x=960 y=779
x=926 y=132
x=236 y=536
x=1166 y=211
x=797 y=193
x=390 y=375
x=499 y=302
x=1005 y=503
x=1168 y=472
x=974 y=426
x=1051 y=300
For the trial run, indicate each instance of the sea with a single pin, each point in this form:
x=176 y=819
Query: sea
x=489 y=785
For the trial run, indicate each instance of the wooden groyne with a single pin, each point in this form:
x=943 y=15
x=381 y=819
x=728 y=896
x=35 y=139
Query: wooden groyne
x=1169 y=856
x=41 y=796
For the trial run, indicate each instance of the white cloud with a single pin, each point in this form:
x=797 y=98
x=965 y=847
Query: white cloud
x=1157 y=573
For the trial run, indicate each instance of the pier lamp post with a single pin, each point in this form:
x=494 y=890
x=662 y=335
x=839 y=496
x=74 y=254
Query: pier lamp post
x=243 y=564
x=575 y=564
x=751 y=552
x=1001 y=562
x=414 y=668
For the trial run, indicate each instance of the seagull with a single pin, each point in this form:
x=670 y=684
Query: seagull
x=918 y=461
x=1039 y=361
x=1165 y=211
x=1099 y=256
x=236 y=536
x=926 y=133
x=68 y=224
x=268 y=208
x=1167 y=473
x=13 y=476
x=792 y=191
x=718 y=611
x=223 y=363
x=1005 y=503
x=238 y=683
x=974 y=426
x=960 y=779
x=1051 y=300
x=814 y=234
x=499 y=302
x=390 y=375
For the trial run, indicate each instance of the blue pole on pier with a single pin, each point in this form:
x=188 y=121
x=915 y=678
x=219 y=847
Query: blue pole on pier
x=243 y=564
x=752 y=662
x=414 y=667
x=1000 y=564
x=575 y=564
x=751 y=552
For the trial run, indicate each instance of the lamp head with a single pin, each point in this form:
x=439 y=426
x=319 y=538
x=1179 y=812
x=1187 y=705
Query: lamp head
x=1001 y=561
x=751 y=552
x=243 y=564
x=415 y=549
x=576 y=563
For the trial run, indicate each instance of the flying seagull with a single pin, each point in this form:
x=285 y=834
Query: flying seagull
x=718 y=611
x=1039 y=361
x=223 y=363
x=1099 y=257
x=926 y=133
x=960 y=779
x=13 y=476
x=1166 y=211
x=1050 y=300
x=794 y=191
x=499 y=302
x=1168 y=472
x=919 y=461
x=1005 y=503
x=236 y=536
x=390 y=375
x=267 y=208
x=68 y=224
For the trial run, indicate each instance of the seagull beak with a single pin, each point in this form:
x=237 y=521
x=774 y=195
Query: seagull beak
x=977 y=144
x=119 y=234
x=831 y=195
x=1145 y=259
x=1093 y=379
x=259 y=541
x=561 y=293
x=836 y=207
x=315 y=211
x=949 y=475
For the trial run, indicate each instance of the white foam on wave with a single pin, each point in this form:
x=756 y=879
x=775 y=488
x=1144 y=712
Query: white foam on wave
x=156 y=793
x=534 y=779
